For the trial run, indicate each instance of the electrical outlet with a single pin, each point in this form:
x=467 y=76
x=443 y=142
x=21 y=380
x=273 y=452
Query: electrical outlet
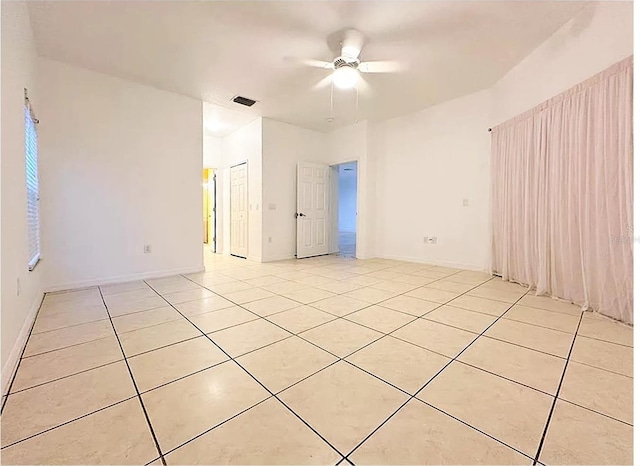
x=465 y=202
x=269 y=238
x=147 y=248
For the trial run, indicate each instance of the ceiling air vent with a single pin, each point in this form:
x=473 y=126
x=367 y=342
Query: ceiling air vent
x=243 y=101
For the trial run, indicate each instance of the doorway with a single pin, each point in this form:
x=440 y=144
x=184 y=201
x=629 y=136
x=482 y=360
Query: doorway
x=209 y=208
x=239 y=210
x=347 y=208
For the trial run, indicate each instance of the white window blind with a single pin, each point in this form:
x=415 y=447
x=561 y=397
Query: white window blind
x=33 y=185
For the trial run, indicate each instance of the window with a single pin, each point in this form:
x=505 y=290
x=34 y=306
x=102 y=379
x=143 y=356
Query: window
x=33 y=185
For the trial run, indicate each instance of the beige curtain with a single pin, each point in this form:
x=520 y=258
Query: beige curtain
x=562 y=193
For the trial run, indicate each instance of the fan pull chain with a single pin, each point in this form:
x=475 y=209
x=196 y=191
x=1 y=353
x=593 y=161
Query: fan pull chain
x=357 y=101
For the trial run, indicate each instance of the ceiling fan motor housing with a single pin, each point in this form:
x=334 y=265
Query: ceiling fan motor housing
x=345 y=61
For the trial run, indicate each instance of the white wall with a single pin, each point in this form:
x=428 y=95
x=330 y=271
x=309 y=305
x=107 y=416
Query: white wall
x=596 y=38
x=121 y=167
x=211 y=151
x=355 y=143
x=244 y=145
x=428 y=162
x=347 y=202
x=18 y=71
x=275 y=148
x=283 y=146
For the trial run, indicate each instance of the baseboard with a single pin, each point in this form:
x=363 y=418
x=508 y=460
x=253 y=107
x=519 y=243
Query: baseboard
x=454 y=265
x=11 y=365
x=122 y=279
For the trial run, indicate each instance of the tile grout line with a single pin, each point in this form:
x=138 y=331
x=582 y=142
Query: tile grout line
x=473 y=427
x=133 y=380
x=258 y=316
x=555 y=398
x=358 y=310
x=289 y=331
x=69 y=326
x=602 y=368
x=199 y=285
x=410 y=322
x=344 y=317
x=429 y=381
x=389 y=334
x=263 y=317
x=241 y=412
x=65 y=347
x=606 y=341
x=49 y=429
x=438 y=409
x=252 y=376
x=221 y=423
x=519 y=345
x=298 y=334
x=65 y=376
x=304 y=304
x=594 y=411
x=338 y=317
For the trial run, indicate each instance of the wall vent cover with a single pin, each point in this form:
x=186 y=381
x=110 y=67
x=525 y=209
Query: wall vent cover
x=243 y=101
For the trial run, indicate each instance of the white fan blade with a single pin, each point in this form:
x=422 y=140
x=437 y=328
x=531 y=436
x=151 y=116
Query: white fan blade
x=380 y=67
x=324 y=82
x=311 y=62
x=364 y=89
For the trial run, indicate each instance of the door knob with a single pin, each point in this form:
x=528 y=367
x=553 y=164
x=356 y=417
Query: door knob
x=300 y=215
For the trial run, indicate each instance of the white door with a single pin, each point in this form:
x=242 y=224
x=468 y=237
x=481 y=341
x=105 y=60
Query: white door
x=239 y=211
x=313 y=209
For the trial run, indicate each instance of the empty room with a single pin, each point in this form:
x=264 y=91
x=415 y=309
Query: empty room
x=317 y=232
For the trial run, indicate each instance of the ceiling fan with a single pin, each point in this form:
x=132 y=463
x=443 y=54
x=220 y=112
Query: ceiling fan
x=347 y=67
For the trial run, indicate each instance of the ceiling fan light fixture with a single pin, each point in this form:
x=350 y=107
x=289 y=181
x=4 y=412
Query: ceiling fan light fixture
x=345 y=77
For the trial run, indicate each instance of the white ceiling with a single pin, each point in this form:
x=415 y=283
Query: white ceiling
x=215 y=50
x=220 y=121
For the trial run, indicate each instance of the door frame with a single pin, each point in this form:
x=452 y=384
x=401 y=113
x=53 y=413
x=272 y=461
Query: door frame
x=231 y=167
x=334 y=202
x=213 y=211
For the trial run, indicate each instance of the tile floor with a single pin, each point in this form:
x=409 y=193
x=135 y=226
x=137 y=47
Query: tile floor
x=319 y=361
